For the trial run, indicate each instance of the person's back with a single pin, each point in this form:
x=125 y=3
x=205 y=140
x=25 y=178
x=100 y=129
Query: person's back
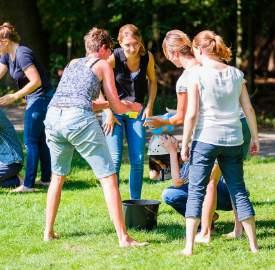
x=219 y=106
x=78 y=85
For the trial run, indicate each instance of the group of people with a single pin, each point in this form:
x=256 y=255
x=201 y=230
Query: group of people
x=211 y=100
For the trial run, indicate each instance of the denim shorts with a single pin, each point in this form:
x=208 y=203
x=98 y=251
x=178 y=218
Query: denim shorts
x=74 y=128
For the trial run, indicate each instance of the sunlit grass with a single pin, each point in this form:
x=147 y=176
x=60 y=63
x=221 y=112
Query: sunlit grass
x=88 y=239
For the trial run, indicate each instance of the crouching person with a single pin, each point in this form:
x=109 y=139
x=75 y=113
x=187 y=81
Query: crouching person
x=176 y=195
x=11 y=156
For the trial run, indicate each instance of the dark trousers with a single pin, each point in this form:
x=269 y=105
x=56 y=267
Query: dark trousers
x=35 y=140
x=8 y=175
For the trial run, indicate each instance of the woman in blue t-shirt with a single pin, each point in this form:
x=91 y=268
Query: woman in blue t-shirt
x=33 y=85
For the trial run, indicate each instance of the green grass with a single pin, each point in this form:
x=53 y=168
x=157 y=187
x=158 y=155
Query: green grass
x=88 y=239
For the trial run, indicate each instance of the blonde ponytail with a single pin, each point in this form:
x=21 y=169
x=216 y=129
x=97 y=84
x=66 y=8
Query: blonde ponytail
x=212 y=44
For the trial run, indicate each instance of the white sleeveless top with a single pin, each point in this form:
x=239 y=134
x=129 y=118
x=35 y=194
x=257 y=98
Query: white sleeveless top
x=184 y=79
x=218 y=122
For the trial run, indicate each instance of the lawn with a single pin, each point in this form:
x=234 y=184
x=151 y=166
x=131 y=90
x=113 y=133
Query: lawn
x=88 y=239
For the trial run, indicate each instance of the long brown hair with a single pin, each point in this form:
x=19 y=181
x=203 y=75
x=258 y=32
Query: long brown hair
x=132 y=31
x=7 y=31
x=212 y=44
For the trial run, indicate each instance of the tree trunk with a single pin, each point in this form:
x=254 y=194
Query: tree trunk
x=239 y=34
x=250 y=49
x=25 y=17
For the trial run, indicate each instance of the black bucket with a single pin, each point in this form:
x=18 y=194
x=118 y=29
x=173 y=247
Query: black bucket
x=141 y=214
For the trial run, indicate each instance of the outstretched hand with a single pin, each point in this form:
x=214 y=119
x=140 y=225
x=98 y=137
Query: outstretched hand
x=146 y=113
x=133 y=106
x=99 y=105
x=109 y=123
x=7 y=99
x=154 y=122
x=169 y=143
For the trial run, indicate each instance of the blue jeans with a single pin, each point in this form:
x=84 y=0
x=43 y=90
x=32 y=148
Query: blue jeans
x=176 y=197
x=8 y=175
x=230 y=159
x=246 y=137
x=35 y=140
x=74 y=128
x=135 y=135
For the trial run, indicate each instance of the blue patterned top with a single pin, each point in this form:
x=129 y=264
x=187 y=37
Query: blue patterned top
x=10 y=147
x=78 y=85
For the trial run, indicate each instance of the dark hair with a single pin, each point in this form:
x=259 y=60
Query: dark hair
x=97 y=37
x=7 y=31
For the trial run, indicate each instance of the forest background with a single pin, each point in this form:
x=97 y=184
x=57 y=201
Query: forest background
x=55 y=29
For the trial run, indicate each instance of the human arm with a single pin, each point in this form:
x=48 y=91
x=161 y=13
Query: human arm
x=152 y=86
x=109 y=122
x=3 y=70
x=190 y=119
x=34 y=82
x=100 y=104
x=171 y=145
x=106 y=74
x=251 y=120
x=111 y=60
x=176 y=119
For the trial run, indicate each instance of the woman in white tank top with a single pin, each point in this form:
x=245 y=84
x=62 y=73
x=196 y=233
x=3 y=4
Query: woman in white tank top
x=214 y=94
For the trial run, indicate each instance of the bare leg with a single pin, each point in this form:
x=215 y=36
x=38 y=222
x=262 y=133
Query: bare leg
x=191 y=229
x=113 y=201
x=238 y=228
x=53 y=200
x=209 y=207
x=250 y=229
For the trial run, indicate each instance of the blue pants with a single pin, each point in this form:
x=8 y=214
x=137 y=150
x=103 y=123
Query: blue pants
x=230 y=160
x=177 y=197
x=35 y=140
x=8 y=175
x=135 y=135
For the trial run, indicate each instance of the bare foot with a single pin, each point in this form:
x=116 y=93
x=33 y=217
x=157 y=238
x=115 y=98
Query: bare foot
x=22 y=189
x=186 y=252
x=50 y=236
x=254 y=249
x=202 y=239
x=233 y=235
x=129 y=242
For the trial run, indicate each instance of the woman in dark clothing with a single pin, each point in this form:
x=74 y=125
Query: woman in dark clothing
x=134 y=69
x=32 y=83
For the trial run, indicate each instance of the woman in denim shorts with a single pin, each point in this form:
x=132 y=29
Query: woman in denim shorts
x=216 y=91
x=71 y=124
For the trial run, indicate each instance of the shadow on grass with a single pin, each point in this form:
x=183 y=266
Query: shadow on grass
x=261 y=160
x=8 y=191
x=261 y=203
x=78 y=185
x=103 y=231
x=172 y=231
x=265 y=228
